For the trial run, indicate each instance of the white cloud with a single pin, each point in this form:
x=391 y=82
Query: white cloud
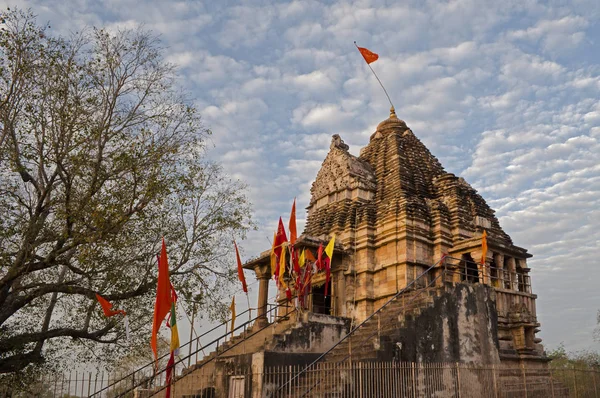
x=504 y=93
x=555 y=35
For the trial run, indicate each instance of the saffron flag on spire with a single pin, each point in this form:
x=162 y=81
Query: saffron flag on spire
x=292 y=224
x=484 y=247
x=163 y=302
x=368 y=55
x=107 y=307
x=240 y=270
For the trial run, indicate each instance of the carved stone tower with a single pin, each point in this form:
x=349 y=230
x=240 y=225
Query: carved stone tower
x=395 y=212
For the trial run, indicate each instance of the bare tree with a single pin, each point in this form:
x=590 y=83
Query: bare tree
x=100 y=156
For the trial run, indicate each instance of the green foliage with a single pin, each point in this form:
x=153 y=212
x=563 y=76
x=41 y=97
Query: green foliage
x=101 y=155
x=584 y=359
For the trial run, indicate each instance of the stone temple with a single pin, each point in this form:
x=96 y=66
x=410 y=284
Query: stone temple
x=395 y=212
x=410 y=280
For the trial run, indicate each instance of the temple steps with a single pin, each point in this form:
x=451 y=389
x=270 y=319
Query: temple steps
x=365 y=342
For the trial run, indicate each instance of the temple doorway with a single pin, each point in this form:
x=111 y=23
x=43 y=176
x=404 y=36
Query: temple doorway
x=320 y=303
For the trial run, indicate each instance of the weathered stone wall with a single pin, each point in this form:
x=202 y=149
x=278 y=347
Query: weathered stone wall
x=316 y=333
x=460 y=326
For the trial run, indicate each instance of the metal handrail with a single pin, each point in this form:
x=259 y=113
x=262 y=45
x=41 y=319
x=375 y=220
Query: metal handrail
x=161 y=388
x=225 y=323
x=404 y=290
x=217 y=340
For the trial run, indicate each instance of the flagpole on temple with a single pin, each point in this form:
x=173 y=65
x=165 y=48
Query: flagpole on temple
x=375 y=57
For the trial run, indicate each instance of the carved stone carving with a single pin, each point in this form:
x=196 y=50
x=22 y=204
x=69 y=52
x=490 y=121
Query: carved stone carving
x=519 y=313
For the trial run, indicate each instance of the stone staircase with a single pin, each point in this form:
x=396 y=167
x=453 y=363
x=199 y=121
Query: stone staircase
x=364 y=344
x=295 y=334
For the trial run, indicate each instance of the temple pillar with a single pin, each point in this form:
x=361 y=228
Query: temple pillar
x=263 y=274
x=512 y=269
x=499 y=263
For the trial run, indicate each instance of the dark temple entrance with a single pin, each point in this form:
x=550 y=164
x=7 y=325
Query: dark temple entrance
x=320 y=303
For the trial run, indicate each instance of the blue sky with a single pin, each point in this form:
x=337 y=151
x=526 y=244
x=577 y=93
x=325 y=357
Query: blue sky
x=504 y=93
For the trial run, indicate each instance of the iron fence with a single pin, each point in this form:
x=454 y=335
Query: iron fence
x=345 y=379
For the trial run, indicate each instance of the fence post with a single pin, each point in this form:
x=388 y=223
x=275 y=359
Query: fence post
x=360 y=380
x=458 y=379
x=595 y=388
x=414 y=379
x=552 y=383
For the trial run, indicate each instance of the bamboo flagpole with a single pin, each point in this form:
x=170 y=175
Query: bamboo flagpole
x=370 y=57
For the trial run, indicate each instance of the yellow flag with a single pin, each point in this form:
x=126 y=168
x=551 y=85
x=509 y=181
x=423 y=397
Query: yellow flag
x=329 y=248
x=484 y=247
x=232 y=308
x=301 y=259
x=284 y=248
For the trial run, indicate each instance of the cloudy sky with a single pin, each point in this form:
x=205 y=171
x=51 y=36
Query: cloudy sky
x=504 y=93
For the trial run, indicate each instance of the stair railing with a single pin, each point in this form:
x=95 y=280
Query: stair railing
x=222 y=338
x=254 y=332
x=408 y=287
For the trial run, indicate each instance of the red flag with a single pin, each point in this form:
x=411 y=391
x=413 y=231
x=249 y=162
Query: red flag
x=368 y=55
x=280 y=238
x=327 y=274
x=292 y=224
x=169 y=378
x=163 y=302
x=241 y=276
x=107 y=307
x=319 y=263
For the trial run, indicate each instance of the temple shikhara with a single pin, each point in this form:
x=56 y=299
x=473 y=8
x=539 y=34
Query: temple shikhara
x=421 y=273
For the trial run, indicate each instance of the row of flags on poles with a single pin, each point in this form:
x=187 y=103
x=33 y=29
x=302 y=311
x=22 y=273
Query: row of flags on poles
x=293 y=269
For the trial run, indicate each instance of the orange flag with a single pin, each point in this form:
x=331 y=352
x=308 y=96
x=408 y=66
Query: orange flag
x=292 y=224
x=162 y=306
x=107 y=306
x=368 y=55
x=310 y=256
x=484 y=247
x=241 y=276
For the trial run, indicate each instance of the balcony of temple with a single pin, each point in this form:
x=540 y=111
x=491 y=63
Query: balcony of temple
x=504 y=268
